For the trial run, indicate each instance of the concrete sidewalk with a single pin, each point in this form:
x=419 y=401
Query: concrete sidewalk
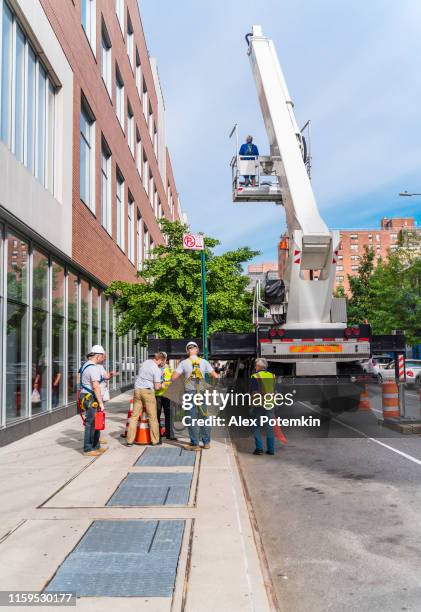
x=51 y=494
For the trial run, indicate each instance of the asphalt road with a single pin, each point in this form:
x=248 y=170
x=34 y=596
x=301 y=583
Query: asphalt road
x=339 y=513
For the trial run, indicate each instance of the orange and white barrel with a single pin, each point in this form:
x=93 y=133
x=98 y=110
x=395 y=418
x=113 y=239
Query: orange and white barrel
x=390 y=400
x=143 y=434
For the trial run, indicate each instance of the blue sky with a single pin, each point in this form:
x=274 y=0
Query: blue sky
x=352 y=68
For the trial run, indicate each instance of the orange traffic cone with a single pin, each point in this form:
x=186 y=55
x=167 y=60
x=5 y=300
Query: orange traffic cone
x=364 y=405
x=143 y=435
x=129 y=414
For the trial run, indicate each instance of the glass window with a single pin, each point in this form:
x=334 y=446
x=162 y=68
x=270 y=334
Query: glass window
x=95 y=316
x=72 y=337
x=106 y=187
x=17 y=329
x=58 y=330
x=146 y=243
x=85 y=340
x=119 y=9
x=130 y=128
x=130 y=40
x=145 y=175
x=26 y=88
x=138 y=153
x=104 y=308
x=88 y=18
x=106 y=58
x=30 y=111
x=138 y=74
x=87 y=157
x=119 y=97
x=111 y=345
x=41 y=125
x=40 y=284
x=19 y=93
x=120 y=211
x=139 y=242
x=6 y=74
x=145 y=102
x=130 y=229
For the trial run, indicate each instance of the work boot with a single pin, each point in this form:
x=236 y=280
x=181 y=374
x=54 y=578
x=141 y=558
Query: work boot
x=193 y=447
x=207 y=445
x=257 y=452
x=92 y=453
x=103 y=441
x=270 y=452
x=101 y=450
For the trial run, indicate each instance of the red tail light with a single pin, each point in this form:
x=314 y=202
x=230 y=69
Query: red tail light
x=280 y=332
x=348 y=332
x=272 y=333
x=410 y=373
x=356 y=331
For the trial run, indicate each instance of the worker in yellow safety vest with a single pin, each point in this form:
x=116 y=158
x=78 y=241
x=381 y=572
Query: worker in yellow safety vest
x=263 y=385
x=164 y=403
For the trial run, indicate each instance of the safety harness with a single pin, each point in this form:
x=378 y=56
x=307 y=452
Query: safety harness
x=197 y=377
x=88 y=393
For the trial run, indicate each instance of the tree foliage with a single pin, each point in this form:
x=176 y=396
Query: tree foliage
x=169 y=301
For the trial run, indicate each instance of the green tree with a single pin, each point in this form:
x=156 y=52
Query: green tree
x=359 y=303
x=169 y=301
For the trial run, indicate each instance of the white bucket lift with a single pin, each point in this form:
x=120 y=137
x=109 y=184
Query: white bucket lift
x=261 y=168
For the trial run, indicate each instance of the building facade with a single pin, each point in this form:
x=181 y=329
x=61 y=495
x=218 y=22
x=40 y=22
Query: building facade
x=257 y=272
x=85 y=178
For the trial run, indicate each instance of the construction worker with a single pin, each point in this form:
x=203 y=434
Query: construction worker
x=194 y=369
x=91 y=398
x=248 y=150
x=262 y=388
x=163 y=403
x=147 y=382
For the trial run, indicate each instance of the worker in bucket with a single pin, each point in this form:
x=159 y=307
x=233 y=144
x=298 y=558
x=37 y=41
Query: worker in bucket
x=262 y=390
x=91 y=398
x=248 y=150
x=194 y=369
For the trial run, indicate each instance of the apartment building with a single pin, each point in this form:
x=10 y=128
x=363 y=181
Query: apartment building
x=353 y=243
x=85 y=177
x=381 y=240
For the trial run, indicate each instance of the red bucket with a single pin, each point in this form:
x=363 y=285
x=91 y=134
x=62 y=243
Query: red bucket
x=99 y=420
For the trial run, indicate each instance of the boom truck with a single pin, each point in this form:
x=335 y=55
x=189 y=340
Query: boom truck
x=306 y=336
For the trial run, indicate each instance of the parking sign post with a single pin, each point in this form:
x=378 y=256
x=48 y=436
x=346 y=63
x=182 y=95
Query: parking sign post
x=196 y=242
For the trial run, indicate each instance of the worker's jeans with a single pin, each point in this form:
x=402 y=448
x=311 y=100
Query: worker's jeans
x=91 y=439
x=163 y=403
x=197 y=412
x=256 y=413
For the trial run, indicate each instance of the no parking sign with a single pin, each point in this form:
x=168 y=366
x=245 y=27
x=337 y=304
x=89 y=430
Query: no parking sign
x=193 y=242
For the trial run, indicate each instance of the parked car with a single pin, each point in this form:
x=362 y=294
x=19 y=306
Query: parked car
x=376 y=364
x=412 y=371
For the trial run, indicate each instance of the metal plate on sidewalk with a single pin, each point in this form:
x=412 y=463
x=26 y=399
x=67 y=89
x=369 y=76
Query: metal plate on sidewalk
x=123 y=559
x=153 y=489
x=166 y=457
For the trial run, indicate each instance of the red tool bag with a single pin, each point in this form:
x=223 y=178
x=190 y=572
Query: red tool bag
x=99 y=420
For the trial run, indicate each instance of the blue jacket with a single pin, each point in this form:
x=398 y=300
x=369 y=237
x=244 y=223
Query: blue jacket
x=249 y=149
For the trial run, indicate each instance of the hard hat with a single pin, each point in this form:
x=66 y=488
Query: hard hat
x=97 y=349
x=191 y=345
x=165 y=354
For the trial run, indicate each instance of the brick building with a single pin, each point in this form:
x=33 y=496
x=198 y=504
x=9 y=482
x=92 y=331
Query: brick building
x=86 y=176
x=380 y=240
x=257 y=272
x=353 y=242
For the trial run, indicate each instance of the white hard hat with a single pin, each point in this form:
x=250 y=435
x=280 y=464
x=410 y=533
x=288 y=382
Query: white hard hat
x=97 y=349
x=191 y=344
